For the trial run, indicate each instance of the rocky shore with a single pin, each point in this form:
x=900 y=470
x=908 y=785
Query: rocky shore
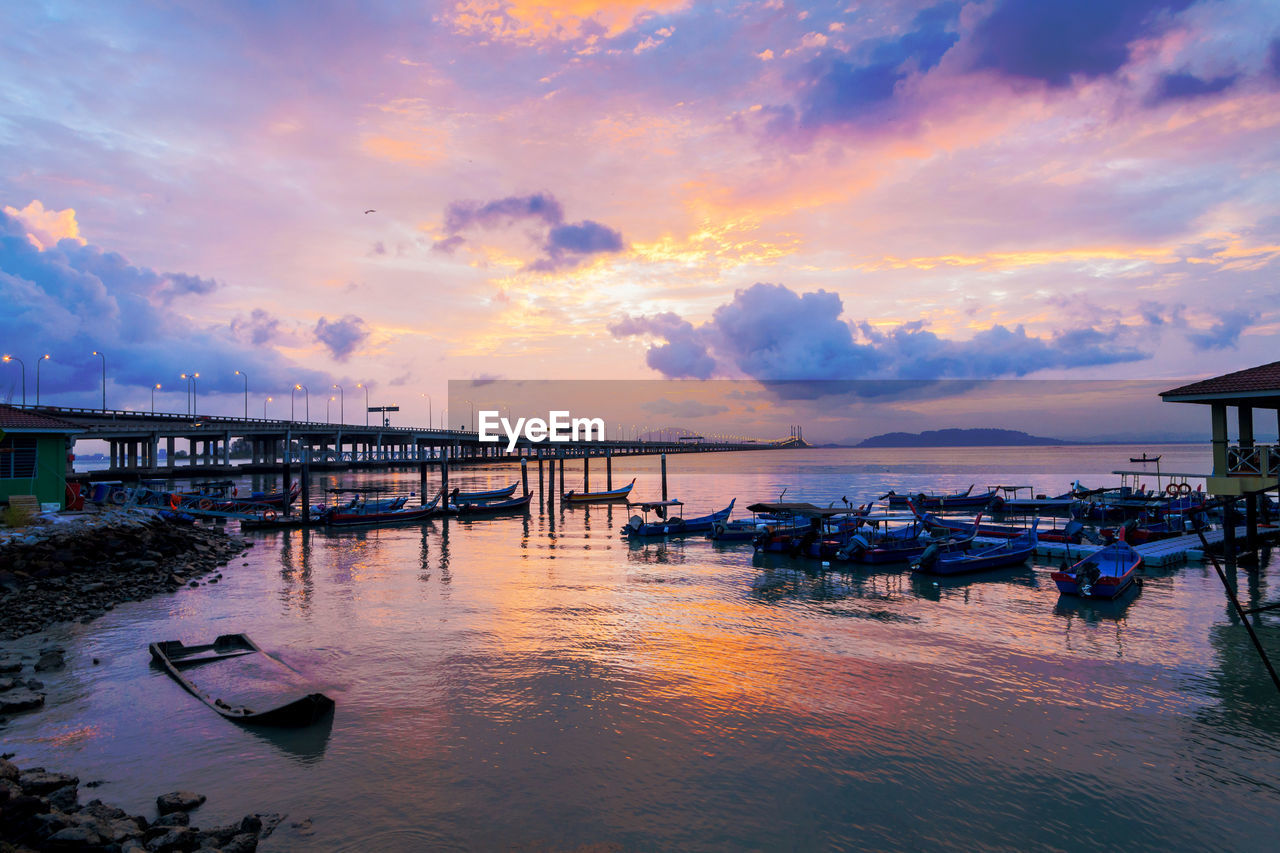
x=78 y=569
x=40 y=810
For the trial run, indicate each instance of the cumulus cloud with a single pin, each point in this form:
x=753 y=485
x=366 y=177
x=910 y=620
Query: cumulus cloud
x=46 y=227
x=1225 y=333
x=69 y=297
x=772 y=333
x=259 y=328
x=1054 y=40
x=563 y=245
x=341 y=337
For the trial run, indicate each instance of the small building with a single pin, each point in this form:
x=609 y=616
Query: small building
x=34 y=455
x=1243 y=468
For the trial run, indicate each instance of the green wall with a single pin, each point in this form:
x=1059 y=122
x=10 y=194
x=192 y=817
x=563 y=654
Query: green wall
x=49 y=483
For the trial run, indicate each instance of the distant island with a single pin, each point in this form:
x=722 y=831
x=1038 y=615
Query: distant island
x=960 y=438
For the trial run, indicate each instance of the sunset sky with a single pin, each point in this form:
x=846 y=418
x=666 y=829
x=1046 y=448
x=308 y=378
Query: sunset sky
x=631 y=190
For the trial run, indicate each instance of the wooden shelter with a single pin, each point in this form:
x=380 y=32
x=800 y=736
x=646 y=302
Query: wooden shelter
x=1244 y=468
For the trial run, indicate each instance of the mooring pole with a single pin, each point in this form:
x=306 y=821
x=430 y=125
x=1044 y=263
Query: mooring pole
x=586 y=472
x=444 y=477
x=422 y=480
x=560 y=453
x=664 y=476
x=551 y=482
x=608 y=469
x=540 y=486
x=305 y=474
x=286 y=474
x=524 y=473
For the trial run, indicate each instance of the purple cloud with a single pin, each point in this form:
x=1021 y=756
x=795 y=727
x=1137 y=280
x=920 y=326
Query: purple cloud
x=259 y=328
x=1183 y=85
x=771 y=333
x=1052 y=40
x=341 y=336
x=565 y=244
x=1225 y=333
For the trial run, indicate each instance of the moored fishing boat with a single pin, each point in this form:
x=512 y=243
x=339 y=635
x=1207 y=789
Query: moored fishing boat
x=482 y=509
x=240 y=681
x=572 y=497
x=879 y=541
x=365 y=515
x=1011 y=552
x=956 y=500
x=637 y=527
x=1102 y=574
x=803 y=529
x=459 y=497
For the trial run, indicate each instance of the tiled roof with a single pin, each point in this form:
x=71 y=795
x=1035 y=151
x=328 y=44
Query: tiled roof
x=12 y=418
x=1263 y=378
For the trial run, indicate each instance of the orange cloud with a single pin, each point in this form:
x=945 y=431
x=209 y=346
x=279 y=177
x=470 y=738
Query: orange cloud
x=423 y=150
x=46 y=227
x=539 y=20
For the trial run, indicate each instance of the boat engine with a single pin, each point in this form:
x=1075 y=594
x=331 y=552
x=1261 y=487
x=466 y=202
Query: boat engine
x=929 y=557
x=633 y=524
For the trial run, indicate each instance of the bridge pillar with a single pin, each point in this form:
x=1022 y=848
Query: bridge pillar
x=226 y=448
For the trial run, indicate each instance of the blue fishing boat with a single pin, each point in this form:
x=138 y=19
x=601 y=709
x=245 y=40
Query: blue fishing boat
x=638 y=527
x=804 y=529
x=483 y=509
x=1102 y=574
x=461 y=497
x=957 y=500
x=881 y=542
x=1011 y=552
x=367 y=514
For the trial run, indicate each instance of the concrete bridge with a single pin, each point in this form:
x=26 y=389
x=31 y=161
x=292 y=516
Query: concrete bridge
x=134 y=440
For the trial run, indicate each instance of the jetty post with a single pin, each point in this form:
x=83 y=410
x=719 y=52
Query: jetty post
x=586 y=472
x=444 y=476
x=286 y=473
x=608 y=469
x=551 y=482
x=560 y=455
x=664 y=476
x=422 y=479
x=305 y=474
x=524 y=473
x=540 y=486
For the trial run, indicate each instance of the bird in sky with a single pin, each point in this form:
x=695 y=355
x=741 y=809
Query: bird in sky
x=371 y=211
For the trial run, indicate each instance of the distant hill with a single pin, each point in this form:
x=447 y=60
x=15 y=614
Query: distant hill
x=960 y=438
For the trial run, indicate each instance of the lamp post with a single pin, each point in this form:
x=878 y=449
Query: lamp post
x=430 y=414
x=264 y=407
x=191 y=391
x=23 y=365
x=306 y=395
x=326 y=408
x=246 y=392
x=342 y=405
x=104 y=378
x=473 y=414
x=366 y=401
x=444 y=418
x=154 y=389
x=42 y=358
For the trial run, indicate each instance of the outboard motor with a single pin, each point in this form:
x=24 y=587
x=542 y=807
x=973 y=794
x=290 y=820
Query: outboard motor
x=929 y=558
x=633 y=524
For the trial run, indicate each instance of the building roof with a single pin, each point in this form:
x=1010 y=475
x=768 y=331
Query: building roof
x=13 y=419
x=1262 y=381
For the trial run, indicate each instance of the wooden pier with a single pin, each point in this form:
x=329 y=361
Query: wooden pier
x=1163 y=552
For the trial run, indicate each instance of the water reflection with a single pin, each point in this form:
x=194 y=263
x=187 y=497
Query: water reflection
x=933 y=587
x=296 y=587
x=305 y=744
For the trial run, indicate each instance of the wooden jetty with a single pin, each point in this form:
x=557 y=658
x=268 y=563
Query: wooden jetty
x=1162 y=552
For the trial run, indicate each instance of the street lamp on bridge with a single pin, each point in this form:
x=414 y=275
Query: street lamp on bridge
x=306 y=394
x=264 y=407
x=42 y=358
x=191 y=390
x=342 y=403
x=104 y=378
x=430 y=414
x=9 y=358
x=154 y=389
x=246 y=392
x=366 y=401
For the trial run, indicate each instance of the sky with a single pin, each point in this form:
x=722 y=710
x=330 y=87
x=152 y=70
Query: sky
x=393 y=195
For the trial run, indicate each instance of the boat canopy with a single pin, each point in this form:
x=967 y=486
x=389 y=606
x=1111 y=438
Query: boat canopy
x=648 y=506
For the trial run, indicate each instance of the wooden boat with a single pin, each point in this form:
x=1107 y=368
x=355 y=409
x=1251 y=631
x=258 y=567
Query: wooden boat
x=599 y=497
x=1145 y=458
x=637 y=527
x=459 y=497
x=362 y=515
x=513 y=506
x=957 y=500
x=898 y=545
x=242 y=682
x=1011 y=552
x=803 y=529
x=1102 y=574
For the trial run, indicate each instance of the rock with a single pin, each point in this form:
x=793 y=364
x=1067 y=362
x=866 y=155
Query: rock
x=177 y=580
x=74 y=838
x=261 y=824
x=10 y=663
x=178 y=838
x=50 y=660
x=173 y=819
x=8 y=771
x=20 y=700
x=38 y=782
x=65 y=798
x=245 y=842
x=176 y=801
x=34 y=684
x=90 y=588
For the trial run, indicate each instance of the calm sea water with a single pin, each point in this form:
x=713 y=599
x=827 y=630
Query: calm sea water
x=541 y=684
